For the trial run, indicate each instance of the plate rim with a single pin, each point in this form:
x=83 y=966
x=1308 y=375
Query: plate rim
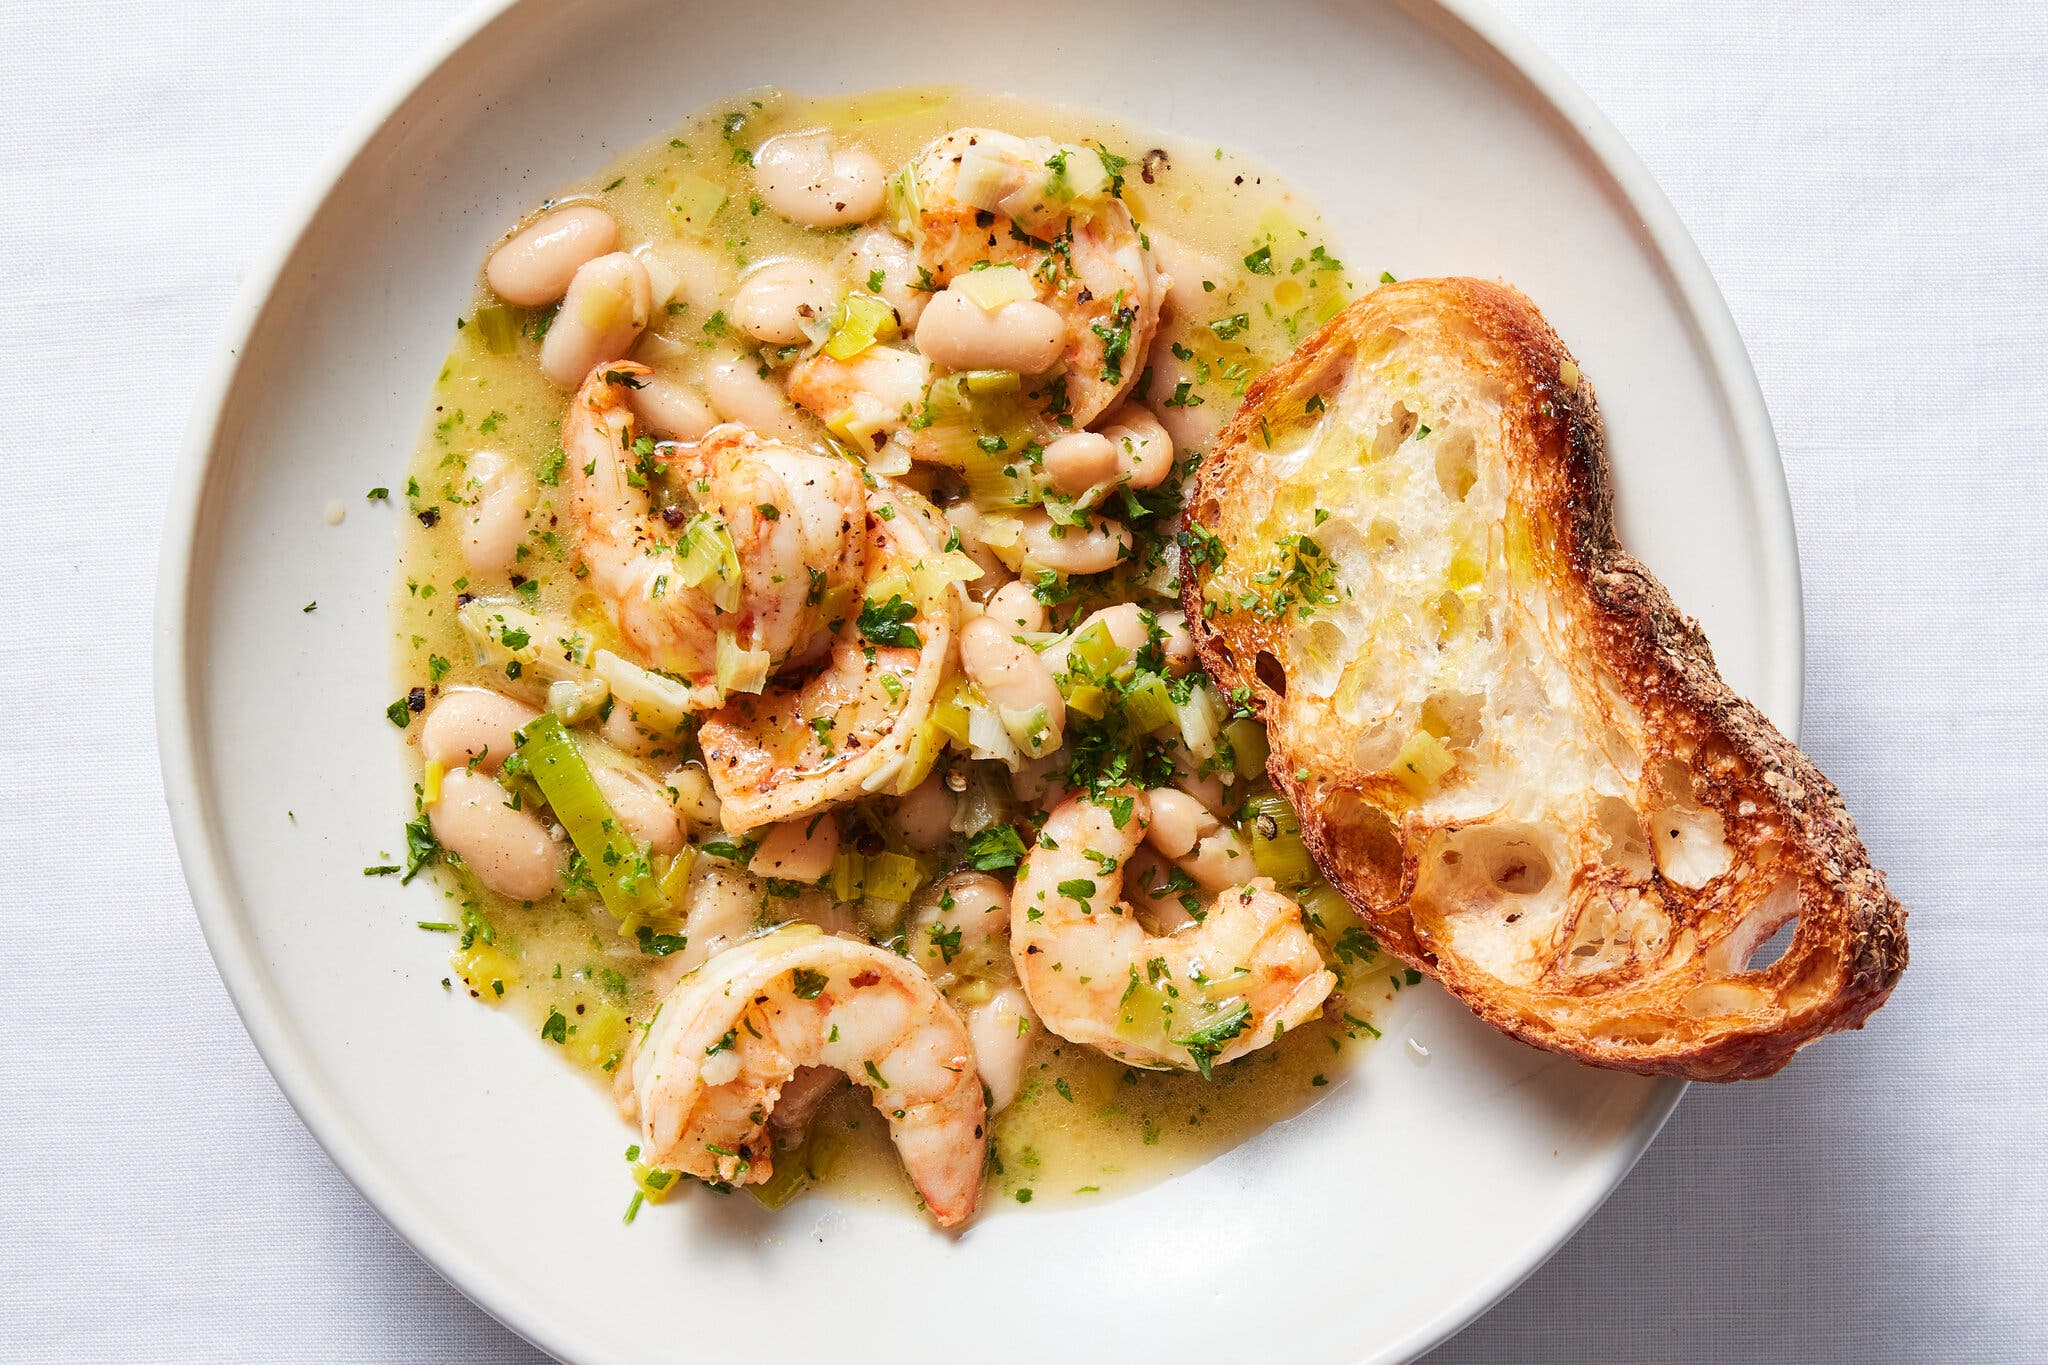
x=200 y=855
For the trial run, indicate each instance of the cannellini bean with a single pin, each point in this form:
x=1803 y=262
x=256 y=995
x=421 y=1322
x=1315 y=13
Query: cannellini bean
x=1178 y=821
x=798 y=850
x=1144 y=450
x=1209 y=790
x=1178 y=646
x=1040 y=781
x=1025 y=335
x=1079 y=460
x=495 y=522
x=1009 y=672
x=536 y=265
x=808 y=180
x=508 y=850
x=1002 y=1028
x=1218 y=860
x=641 y=805
x=1014 y=606
x=775 y=300
x=886 y=266
x=671 y=409
x=606 y=309
x=690 y=792
x=1185 y=268
x=623 y=731
x=738 y=393
x=470 y=724
x=924 y=815
x=1100 y=544
x=1187 y=417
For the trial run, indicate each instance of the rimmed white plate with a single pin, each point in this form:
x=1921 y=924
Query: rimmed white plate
x=1374 y=1225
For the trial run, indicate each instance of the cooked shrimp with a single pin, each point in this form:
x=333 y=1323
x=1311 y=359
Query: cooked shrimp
x=1085 y=257
x=729 y=1038
x=1209 y=993
x=796 y=523
x=869 y=397
x=857 y=726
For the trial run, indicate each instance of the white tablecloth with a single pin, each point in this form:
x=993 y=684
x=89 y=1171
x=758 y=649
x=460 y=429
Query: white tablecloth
x=1868 y=180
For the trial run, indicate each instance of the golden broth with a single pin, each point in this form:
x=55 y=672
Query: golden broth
x=1083 y=1125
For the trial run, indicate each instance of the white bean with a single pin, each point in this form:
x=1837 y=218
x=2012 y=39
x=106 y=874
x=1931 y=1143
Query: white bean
x=1146 y=873
x=1010 y=673
x=1079 y=460
x=886 y=266
x=798 y=850
x=775 y=300
x=1024 y=335
x=1014 y=606
x=1218 y=860
x=965 y=518
x=508 y=850
x=495 y=522
x=536 y=265
x=1189 y=416
x=690 y=791
x=1178 y=822
x=472 y=725
x=1178 y=646
x=624 y=732
x=1125 y=623
x=808 y=180
x=1001 y=1029
x=1186 y=269
x=738 y=393
x=1144 y=450
x=924 y=815
x=641 y=805
x=606 y=309
x=671 y=409
x=1099 y=545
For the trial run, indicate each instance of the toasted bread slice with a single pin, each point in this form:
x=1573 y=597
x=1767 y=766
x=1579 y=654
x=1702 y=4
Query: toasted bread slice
x=1508 y=748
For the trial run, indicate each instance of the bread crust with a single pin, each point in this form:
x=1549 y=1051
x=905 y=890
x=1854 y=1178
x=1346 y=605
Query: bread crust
x=1781 y=816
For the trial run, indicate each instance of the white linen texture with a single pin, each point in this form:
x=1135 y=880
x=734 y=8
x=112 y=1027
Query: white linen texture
x=1868 y=182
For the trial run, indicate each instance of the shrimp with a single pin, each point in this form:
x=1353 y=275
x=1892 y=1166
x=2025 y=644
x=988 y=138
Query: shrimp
x=796 y=524
x=1219 y=988
x=859 y=724
x=731 y=1036
x=868 y=398
x=1077 y=243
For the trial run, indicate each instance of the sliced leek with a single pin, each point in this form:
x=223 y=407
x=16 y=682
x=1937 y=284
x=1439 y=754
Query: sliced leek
x=621 y=868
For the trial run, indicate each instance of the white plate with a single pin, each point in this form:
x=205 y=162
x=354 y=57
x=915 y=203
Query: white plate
x=1374 y=1225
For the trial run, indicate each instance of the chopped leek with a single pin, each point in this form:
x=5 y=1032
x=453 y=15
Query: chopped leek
x=1098 y=649
x=791 y=1174
x=992 y=288
x=1274 y=832
x=577 y=700
x=1031 y=731
x=859 y=322
x=892 y=877
x=510 y=637
x=655 y=703
x=599 y=1039
x=1421 y=763
x=902 y=202
x=1200 y=716
x=1248 y=745
x=499 y=328
x=694 y=202
x=740 y=670
x=1090 y=700
x=1148 y=705
x=710 y=561
x=654 y=1183
x=949 y=715
x=923 y=752
x=849 y=871
x=430 y=785
x=675 y=877
x=620 y=867
x=488 y=971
